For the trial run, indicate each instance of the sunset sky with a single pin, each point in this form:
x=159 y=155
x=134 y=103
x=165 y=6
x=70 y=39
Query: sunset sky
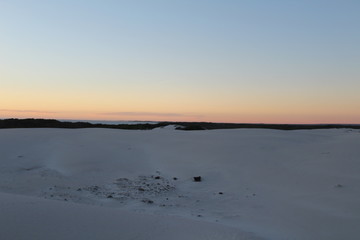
x=256 y=61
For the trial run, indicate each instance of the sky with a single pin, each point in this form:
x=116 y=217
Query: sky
x=253 y=61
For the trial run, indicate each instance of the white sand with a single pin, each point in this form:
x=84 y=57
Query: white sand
x=101 y=184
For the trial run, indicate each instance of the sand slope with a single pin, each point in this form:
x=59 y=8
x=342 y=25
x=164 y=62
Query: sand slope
x=32 y=218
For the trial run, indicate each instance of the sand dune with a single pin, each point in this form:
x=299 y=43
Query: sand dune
x=106 y=184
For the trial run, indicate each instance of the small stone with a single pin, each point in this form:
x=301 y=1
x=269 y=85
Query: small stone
x=157 y=177
x=221 y=193
x=148 y=201
x=109 y=196
x=197 y=179
x=175 y=178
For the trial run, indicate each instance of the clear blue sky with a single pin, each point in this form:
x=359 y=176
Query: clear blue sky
x=234 y=61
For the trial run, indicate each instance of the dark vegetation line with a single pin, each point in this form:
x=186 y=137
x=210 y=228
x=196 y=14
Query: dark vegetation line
x=51 y=123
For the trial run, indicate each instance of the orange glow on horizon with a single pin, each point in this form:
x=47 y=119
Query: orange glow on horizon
x=144 y=116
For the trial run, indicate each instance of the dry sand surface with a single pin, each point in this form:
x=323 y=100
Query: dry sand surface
x=121 y=184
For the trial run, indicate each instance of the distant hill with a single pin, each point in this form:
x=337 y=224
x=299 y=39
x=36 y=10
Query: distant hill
x=52 y=123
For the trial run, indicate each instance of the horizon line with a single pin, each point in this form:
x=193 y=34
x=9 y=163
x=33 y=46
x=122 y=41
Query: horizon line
x=153 y=121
